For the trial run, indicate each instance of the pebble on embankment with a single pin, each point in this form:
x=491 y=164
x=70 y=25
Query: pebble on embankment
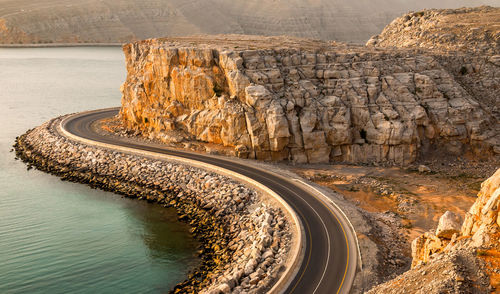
x=245 y=241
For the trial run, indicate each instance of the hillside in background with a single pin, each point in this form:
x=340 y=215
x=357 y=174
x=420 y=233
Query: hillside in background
x=97 y=21
x=467 y=29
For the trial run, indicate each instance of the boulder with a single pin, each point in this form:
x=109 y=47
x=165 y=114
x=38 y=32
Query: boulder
x=423 y=169
x=449 y=224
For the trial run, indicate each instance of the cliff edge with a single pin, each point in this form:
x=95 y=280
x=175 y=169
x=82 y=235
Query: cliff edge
x=281 y=98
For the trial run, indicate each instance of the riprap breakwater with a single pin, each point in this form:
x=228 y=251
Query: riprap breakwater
x=245 y=240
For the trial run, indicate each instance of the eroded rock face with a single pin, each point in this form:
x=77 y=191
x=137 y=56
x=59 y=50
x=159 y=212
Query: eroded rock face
x=472 y=32
x=301 y=100
x=483 y=218
x=423 y=247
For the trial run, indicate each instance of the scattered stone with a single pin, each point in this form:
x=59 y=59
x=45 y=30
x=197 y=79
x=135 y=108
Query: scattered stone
x=423 y=169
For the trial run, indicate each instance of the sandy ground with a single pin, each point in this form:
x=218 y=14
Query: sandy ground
x=418 y=199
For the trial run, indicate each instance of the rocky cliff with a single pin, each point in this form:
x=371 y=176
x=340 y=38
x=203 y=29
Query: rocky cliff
x=302 y=100
x=68 y=21
x=465 y=41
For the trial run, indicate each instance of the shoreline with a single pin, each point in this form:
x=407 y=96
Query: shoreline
x=61 y=45
x=215 y=223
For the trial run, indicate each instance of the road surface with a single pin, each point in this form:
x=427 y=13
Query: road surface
x=330 y=253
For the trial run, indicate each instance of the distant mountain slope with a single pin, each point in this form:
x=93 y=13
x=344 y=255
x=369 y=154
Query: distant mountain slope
x=47 y=21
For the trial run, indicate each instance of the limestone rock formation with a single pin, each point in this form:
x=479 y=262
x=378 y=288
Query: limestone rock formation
x=423 y=247
x=483 y=218
x=91 y=21
x=465 y=41
x=301 y=100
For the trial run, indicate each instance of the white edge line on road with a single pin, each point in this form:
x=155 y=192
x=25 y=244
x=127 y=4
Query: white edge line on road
x=326 y=230
x=297 y=250
x=329 y=200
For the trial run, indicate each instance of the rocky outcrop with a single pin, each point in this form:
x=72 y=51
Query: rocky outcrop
x=449 y=224
x=465 y=41
x=447 y=261
x=483 y=218
x=480 y=225
x=458 y=272
x=301 y=100
x=423 y=247
x=245 y=239
x=92 y=21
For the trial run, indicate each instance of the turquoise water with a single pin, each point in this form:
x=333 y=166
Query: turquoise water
x=60 y=237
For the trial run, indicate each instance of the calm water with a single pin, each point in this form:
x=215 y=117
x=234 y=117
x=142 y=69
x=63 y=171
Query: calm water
x=59 y=237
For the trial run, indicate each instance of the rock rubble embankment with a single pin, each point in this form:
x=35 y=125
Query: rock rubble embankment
x=245 y=241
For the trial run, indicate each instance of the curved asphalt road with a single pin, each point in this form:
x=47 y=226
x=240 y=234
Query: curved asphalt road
x=330 y=255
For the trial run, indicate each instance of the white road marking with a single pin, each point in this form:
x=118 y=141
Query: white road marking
x=343 y=214
x=324 y=226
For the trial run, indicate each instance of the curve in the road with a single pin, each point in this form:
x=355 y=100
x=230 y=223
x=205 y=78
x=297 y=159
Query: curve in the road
x=330 y=259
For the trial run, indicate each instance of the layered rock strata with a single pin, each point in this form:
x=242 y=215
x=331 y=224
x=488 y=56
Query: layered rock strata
x=465 y=41
x=301 y=100
x=92 y=21
x=245 y=239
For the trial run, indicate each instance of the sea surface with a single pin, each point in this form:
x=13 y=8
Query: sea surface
x=60 y=237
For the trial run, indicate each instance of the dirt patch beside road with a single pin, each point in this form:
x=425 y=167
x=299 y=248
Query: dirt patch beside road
x=417 y=199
